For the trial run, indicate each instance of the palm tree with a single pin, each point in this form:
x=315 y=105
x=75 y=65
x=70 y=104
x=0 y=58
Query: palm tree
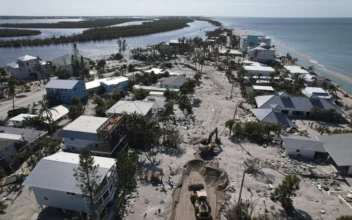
x=11 y=84
x=46 y=112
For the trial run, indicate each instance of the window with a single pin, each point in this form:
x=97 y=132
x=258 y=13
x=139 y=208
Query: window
x=298 y=151
x=73 y=148
x=45 y=198
x=71 y=194
x=27 y=64
x=72 y=139
x=64 y=97
x=74 y=89
x=20 y=70
x=6 y=148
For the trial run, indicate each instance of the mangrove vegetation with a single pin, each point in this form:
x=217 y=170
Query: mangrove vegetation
x=18 y=32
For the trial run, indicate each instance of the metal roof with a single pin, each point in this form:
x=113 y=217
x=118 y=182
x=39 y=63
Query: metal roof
x=61 y=84
x=303 y=143
x=13 y=65
x=339 y=148
x=56 y=172
x=29 y=135
x=296 y=69
x=153 y=88
x=270 y=116
x=21 y=117
x=295 y=103
x=263 y=88
x=173 y=80
x=259 y=68
x=26 y=58
x=114 y=80
x=130 y=107
x=84 y=127
x=57 y=112
x=321 y=93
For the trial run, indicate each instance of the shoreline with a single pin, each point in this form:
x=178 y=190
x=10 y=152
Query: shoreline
x=306 y=58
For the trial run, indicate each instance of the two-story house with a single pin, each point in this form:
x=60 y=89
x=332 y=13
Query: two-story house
x=64 y=90
x=54 y=185
x=28 y=67
x=103 y=136
x=64 y=63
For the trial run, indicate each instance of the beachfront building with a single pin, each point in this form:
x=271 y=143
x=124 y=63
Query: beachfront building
x=103 y=136
x=262 y=53
x=258 y=70
x=316 y=81
x=295 y=105
x=53 y=183
x=64 y=63
x=251 y=41
x=319 y=92
x=110 y=85
x=294 y=70
x=259 y=88
x=174 y=82
x=230 y=52
x=62 y=91
x=28 y=67
x=174 y=42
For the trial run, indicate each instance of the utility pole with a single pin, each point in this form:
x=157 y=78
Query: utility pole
x=239 y=196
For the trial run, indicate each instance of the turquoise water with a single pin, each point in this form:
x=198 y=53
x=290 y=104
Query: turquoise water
x=326 y=41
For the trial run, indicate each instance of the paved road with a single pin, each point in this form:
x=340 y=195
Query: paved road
x=33 y=96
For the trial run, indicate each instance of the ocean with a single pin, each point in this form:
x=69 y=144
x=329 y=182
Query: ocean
x=322 y=42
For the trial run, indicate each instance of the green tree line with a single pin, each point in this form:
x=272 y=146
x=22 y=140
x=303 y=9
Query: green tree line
x=18 y=32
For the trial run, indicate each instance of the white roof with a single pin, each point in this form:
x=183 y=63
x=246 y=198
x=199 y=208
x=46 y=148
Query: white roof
x=130 y=107
x=10 y=136
x=155 y=70
x=65 y=157
x=114 y=80
x=93 y=84
x=231 y=51
x=21 y=117
x=263 y=88
x=296 y=69
x=87 y=124
x=321 y=93
x=57 y=112
x=156 y=93
x=27 y=57
x=153 y=88
x=174 y=41
x=259 y=68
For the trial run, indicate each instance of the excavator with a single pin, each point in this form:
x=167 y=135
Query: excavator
x=200 y=203
x=209 y=146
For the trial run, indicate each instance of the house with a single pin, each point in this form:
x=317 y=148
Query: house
x=103 y=136
x=174 y=82
x=110 y=85
x=53 y=183
x=267 y=89
x=338 y=146
x=129 y=107
x=58 y=113
x=316 y=80
x=12 y=140
x=303 y=146
x=250 y=41
x=174 y=42
x=295 y=105
x=154 y=89
x=18 y=120
x=262 y=53
x=273 y=116
x=230 y=52
x=64 y=90
x=293 y=70
x=258 y=70
x=64 y=63
x=28 y=67
x=160 y=101
x=319 y=92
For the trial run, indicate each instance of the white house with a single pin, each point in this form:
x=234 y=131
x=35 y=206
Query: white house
x=54 y=185
x=103 y=136
x=295 y=70
x=262 y=53
x=28 y=67
x=112 y=84
x=82 y=133
x=302 y=146
x=265 y=40
x=64 y=63
x=258 y=70
x=18 y=120
x=144 y=108
x=319 y=92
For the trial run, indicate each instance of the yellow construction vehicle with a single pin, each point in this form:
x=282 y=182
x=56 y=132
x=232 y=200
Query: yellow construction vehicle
x=200 y=203
x=208 y=145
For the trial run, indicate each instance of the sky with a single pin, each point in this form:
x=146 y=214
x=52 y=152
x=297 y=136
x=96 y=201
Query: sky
x=235 y=8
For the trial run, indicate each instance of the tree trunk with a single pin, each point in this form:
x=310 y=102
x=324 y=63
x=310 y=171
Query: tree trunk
x=13 y=102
